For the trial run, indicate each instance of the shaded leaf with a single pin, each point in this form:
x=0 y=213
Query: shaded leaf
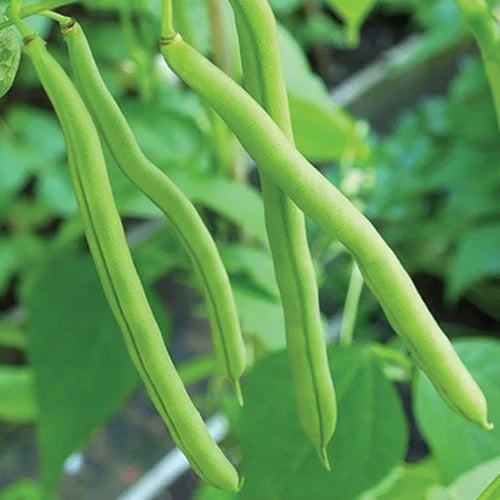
x=10 y=55
x=477 y=257
x=469 y=485
x=279 y=461
x=457 y=445
x=82 y=370
x=17 y=401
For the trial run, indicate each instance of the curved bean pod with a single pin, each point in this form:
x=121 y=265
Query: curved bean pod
x=156 y=185
x=335 y=214
x=312 y=381
x=119 y=277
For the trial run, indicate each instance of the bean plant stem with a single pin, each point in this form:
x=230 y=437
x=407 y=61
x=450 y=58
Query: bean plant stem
x=486 y=30
x=351 y=306
x=226 y=153
x=167 y=20
x=36 y=8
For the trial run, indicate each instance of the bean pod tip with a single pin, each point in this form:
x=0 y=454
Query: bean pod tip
x=237 y=391
x=487 y=425
x=323 y=456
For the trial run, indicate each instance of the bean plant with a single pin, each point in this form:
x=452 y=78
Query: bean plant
x=239 y=86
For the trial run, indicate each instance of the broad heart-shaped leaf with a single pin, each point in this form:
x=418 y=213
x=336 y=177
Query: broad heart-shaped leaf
x=81 y=367
x=279 y=462
x=477 y=257
x=10 y=54
x=458 y=445
x=469 y=485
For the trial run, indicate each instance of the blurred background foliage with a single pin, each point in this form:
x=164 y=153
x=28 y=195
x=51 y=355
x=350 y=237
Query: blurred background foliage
x=424 y=170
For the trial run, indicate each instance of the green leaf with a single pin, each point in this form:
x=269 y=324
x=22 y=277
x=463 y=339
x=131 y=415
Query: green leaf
x=408 y=482
x=82 y=371
x=492 y=491
x=279 y=461
x=284 y=7
x=238 y=202
x=17 y=401
x=477 y=257
x=468 y=485
x=10 y=55
x=261 y=316
x=457 y=445
x=8 y=262
x=326 y=133
x=323 y=132
x=12 y=335
x=39 y=133
x=24 y=490
x=255 y=263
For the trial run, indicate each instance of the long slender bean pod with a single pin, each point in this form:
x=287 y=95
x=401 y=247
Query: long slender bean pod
x=226 y=332
x=312 y=381
x=335 y=214
x=119 y=277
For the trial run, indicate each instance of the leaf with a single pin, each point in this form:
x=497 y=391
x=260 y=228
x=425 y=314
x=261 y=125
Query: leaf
x=82 y=371
x=10 y=55
x=279 y=462
x=284 y=7
x=39 y=133
x=261 y=316
x=24 y=490
x=458 y=445
x=8 y=262
x=12 y=335
x=255 y=263
x=323 y=132
x=468 y=485
x=477 y=257
x=17 y=402
x=238 y=202
x=408 y=481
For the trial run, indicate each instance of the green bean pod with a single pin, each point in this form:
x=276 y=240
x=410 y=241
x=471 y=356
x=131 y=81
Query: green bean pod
x=312 y=381
x=336 y=215
x=156 y=185
x=119 y=277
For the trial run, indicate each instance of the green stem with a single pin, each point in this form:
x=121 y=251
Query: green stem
x=13 y=13
x=351 y=306
x=225 y=152
x=36 y=8
x=58 y=18
x=167 y=20
x=486 y=30
x=183 y=23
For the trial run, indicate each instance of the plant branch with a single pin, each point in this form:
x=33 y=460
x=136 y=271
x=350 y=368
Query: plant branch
x=37 y=8
x=486 y=30
x=351 y=306
x=167 y=20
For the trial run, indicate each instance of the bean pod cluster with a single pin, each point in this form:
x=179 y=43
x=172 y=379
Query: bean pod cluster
x=259 y=116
